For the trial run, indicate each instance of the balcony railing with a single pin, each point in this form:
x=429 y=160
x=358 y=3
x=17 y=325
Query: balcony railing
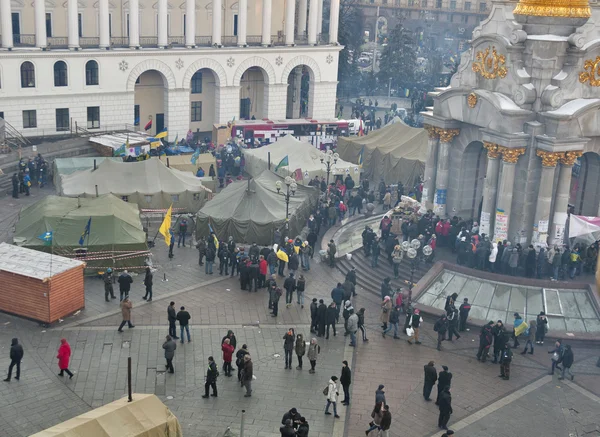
x=254 y=40
x=23 y=40
x=89 y=41
x=278 y=40
x=204 y=41
x=119 y=41
x=176 y=41
x=301 y=40
x=58 y=42
x=229 y=41
x=149 y=41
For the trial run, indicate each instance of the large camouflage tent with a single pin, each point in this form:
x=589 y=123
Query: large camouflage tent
x=251 y=211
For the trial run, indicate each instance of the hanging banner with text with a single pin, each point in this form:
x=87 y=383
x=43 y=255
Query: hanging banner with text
x=501 y=225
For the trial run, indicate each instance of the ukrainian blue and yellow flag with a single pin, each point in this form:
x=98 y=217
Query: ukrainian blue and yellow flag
x=86 y=232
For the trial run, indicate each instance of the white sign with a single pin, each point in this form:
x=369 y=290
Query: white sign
x=347 y=171
x=34 y=148
x=425 y=193
x=501 y=225
x=543 y=226
x=306 y=175
x=356 y=170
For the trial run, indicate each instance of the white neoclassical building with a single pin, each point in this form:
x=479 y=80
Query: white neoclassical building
x=101 y=64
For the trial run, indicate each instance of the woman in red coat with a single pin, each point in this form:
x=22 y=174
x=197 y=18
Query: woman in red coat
x=64 y=354
x=227 y=349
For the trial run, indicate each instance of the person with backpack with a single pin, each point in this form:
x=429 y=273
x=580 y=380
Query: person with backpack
x=441 y=327
x=300 y=287
x=212 y=373
x=331 y=393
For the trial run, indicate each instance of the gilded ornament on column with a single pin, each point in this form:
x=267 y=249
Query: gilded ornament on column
x=592 y=75
x=569 y=158
x=493 y=152
x=472 y=100
x=432 y=131
x=447 y=135
x=549 y=159
x=511 y=156
x=554 y=8
x=489 y=64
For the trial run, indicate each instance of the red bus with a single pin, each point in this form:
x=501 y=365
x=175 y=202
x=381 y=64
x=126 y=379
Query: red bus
x=320 y=133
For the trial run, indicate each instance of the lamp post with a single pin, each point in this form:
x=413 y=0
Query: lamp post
x=412 y=252
x=291 y=188
x=329 y=159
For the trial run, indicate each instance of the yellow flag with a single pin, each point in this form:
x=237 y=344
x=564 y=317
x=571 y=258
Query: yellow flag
x=162 y=134
x=165 y=227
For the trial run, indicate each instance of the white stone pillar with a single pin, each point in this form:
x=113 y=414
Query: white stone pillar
x=227 y=103
x=290 y=13
x=134 y=23
x=334 y=16
x=40 y=24
x=73 y=24
x=302 y=15
x=505 y=192
x=490 y=190
x=217 y=12
x=312 y=22
x=541 y=222
x=266 y=23
x=190 y=23
x=242 y=22
x=319 y=17
x=163 y=23
x=7 y=31
x=443 y=169
x=561 y=201
x=103 y=25
x=430 y=166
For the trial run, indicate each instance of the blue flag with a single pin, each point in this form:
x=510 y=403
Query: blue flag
x=361 y=157
x=86 y=232
x=195 y=156
x=46 y=237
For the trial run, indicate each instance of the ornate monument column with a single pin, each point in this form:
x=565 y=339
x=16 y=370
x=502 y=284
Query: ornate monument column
x=443 y=165
x=490 y=188
x=430 y=166
x=505 y=191
x=561 y=201
x=542 y=209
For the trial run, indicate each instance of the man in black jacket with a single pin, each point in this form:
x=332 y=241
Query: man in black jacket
x=445 y=405
x=313 y=315
x=184 y=323
x=346 y=380
x=331 y=317
x=16 y=355
x=290 y=286
x=444 y=381
x=499 y=334
x=441 y=327
x=211 y=378
x=292 y=415
x=125 y=282
x=430 y=379
x=464 y=314
x=321 y=318
x=485 y=341
x=172 y=316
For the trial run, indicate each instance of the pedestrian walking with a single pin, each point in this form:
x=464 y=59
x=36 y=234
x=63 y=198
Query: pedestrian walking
x=441 y=327
x=184 y=324
x=300 y=349
x=331 y=392
x=288 y=347
x=463 y=311
x=169 y=346
x=125 y=282
x=172 y=317
x=505 y=361
x=313 y=316
x=557 y=355
x=300 y=286
x=227 y=349
x=386 y=307
x=394 y=319
x=414 y=324
x=386 y=422
x=16 y=355
x=380 y=394
x=321 y=318
x=313 y=351
x=453 y=324
x=376 y=415
x=247 y=375
x=276 y=296
x=567 y=361
x=290 y=286
x=485 y=341
x=126 y=307
x=148 y=284
x=445 y=405
x=346 y=380
x=361 y=323
x=430 y=379
x=64 y=355
x=212 y=373
x=201 y=246
x=331 y=319
x=239 y=362
x=352 y=327
x=444 y=381
x=107 y=277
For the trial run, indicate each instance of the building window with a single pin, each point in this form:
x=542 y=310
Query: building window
x=452 y=5
x=27 y=75
x=93 y=117
x=196 y=111
x=197 y=83
x=136 y=115
x=48 y=24
x=482 y=7
x=29 y=119
x=467 y=6
x=438 y=4
x=80 y=24
x=91 y=73
x=60 y=74
x=423 y=3
x=62 y=119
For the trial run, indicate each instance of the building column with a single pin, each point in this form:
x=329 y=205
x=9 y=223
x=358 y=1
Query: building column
x=163 y=20
x=242 y=23
x=190 y=23
x=490 y=188
x=227 y=103
x=134 y=23
x=561 y=201
x=103 y=19
x=296 y=92
x=177 y=118
x=443 y=168
x=334 y=17
x=430 y=166
x=302 y=14
x=7 y=31
x=290 y=14
x=505 y=191
x=40 y=24
x=73 y=24
x=319 y=17
x=217 y=18
x=541 y=221
x=312 y=22
x=266 y=23
x=321 y=100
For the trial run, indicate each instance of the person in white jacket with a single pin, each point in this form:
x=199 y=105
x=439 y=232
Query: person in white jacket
x=492 y=258
x=332 y=395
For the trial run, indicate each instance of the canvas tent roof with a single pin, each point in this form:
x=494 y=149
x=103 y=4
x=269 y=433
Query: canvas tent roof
x=301 y=154
x=396 y=152
x=150 y=184
x=71 y=165
x=251 y=211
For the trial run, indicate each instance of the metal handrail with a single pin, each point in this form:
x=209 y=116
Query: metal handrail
x=176 y=41
x=149 y=41
x=204 y=41
x=254 y=40
x=23 y=40
x=58 y=42
x=89 y=41
x=119 y=41
x=229 y=41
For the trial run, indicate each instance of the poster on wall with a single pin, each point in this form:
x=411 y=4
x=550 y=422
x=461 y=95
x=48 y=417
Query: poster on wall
x=501 y=225
x=559 y=234
x=543 y=226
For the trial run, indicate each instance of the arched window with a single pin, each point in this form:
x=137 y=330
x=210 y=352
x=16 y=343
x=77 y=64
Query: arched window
x=91 y=73
x=27 y=75
x=60 y=73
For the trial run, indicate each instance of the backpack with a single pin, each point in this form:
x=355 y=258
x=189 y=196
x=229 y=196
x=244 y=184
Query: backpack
x=326 y=390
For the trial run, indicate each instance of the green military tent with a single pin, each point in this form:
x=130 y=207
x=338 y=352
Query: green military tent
x=116 y=230
x=65 y=166
x=250 y=211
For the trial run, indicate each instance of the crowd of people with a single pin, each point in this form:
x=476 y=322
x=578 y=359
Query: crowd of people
x=31 y=172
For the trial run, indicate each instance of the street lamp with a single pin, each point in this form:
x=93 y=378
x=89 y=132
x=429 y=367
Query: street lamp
x=329 y=159
x=291 y=187
x=412 y=252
